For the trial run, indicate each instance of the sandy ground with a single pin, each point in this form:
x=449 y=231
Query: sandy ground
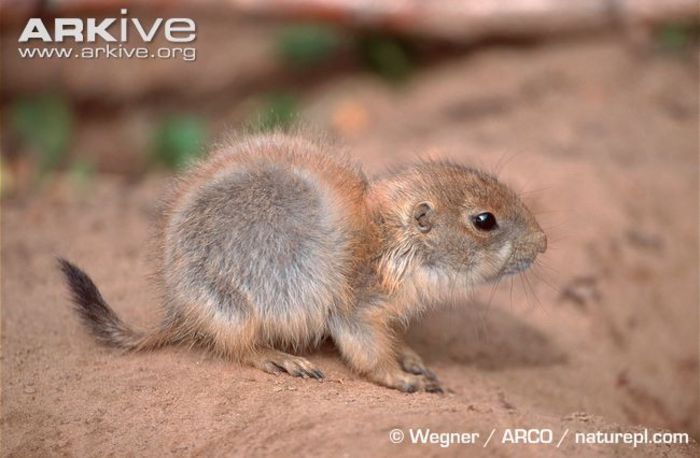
x=602 y=336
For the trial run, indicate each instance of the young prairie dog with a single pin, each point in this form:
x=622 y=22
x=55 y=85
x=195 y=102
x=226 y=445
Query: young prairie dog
x=274 y=243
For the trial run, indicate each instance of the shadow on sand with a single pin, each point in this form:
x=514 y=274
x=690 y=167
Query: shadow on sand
x=485 y=336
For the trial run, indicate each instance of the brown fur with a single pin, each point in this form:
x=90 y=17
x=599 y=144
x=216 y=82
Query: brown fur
x=277 y=241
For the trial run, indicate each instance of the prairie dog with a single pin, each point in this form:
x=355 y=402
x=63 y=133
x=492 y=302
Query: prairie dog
x=274 y=243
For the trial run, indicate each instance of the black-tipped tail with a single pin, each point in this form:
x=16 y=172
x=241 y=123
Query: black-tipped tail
x=94 y=312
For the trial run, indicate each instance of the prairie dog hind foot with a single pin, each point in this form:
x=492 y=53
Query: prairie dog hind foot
x=277 y=362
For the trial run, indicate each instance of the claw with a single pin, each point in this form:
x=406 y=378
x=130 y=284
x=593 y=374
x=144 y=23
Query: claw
x=408 y=388
x=434 y=389
x=276 y=362
x=413 y=364
x=408 y=383
x=317 y=374
x=430 y=375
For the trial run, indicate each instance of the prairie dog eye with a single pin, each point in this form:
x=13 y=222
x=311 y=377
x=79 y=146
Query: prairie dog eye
x=485 y=221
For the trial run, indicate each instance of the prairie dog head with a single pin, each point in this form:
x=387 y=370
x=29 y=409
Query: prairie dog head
x=455 y=223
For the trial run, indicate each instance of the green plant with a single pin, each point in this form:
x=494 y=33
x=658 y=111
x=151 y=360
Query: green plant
x=389 y=57
x=80 y=173
x=307 y=45
x=178 y=140
x=5 y=181
x=45 y=124
x=677 y=36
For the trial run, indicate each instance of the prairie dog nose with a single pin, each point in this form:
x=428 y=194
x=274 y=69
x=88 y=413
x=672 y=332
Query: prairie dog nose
x=540 y=240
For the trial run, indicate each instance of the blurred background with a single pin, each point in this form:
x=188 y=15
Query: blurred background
x=589 y=109
x=339 y=65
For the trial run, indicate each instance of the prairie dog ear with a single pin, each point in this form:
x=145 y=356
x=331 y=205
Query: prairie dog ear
x=423 y=216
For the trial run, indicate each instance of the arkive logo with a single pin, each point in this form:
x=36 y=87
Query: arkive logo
x=121 y=37
x=89 y=30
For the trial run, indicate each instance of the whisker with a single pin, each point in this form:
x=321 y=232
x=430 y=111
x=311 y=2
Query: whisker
x=522 y=283
x=544 y=309
x=560 y=225
x=534 y=293
x=478 y=325
x=502 y=163
x=541 y=264
x=536 y=190
x=493 y=291
x=512 y=280
x=538 y=212
x=546 y=282
x=543 y=261
x=553 y=242
x=530 y=291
